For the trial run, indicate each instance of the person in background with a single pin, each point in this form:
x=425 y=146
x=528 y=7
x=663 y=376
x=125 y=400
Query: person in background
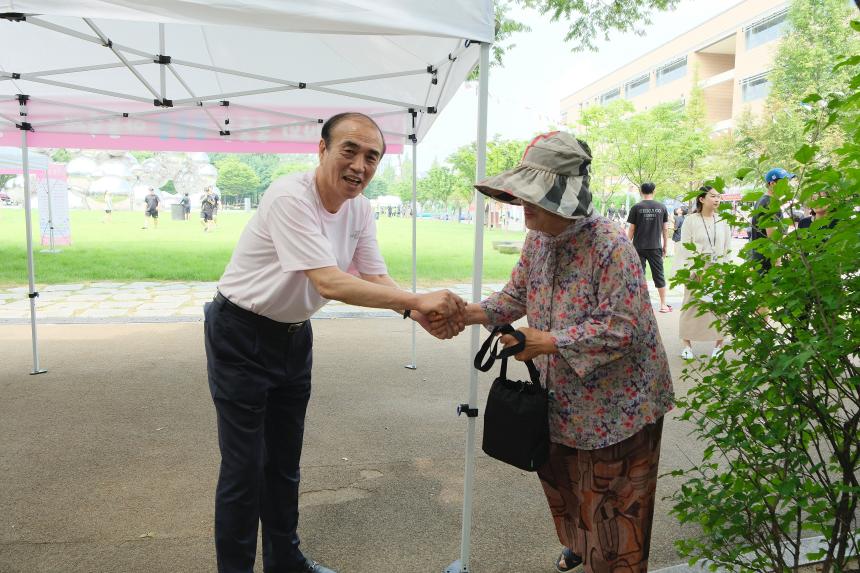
x=713 y=238
x=649 y=231
x=208 y=205
x=760 y=215
x=678 y=224
x=108 y=208
x=593 y=335
x=151 y=202
x=186 y=206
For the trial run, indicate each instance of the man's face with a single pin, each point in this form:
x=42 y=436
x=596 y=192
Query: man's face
x=348 y=164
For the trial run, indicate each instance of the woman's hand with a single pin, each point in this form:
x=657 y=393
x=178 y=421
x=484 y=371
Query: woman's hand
x=537 y=342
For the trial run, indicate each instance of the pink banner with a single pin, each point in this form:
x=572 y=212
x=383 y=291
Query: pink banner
x=140 y=143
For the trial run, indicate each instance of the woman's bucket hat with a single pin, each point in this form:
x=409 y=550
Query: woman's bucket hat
x=554 y=174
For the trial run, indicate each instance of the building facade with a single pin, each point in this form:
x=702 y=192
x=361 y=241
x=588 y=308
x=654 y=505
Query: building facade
x=730 y=55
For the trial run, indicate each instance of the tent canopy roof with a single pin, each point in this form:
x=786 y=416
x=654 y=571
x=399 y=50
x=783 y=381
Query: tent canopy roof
x=236 y=75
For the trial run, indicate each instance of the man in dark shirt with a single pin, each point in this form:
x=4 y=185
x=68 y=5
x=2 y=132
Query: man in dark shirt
x=649 y=231
x=760 y=214
x=151 y=212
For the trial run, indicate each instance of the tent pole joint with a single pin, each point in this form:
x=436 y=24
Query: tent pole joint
x=302 y=85
x=224 y=132
x=431 y=110
x=162 y=102
x=16 y=76
x=468 y=410
x=162 y=59
x=13 y=16
x=223 y=103
x=33 y=294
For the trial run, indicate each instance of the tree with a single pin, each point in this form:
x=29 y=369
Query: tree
x=636 y=147
x=61 y=156
x=818 y=36
x=236 y=179
x=402 y=186
x=502 y=155
x=696 y=142
x=597 y=123
x=437 y=186
x=381 y=183
x=779 y=411
x=590 y=19
x=287 y=167
x=505 y=27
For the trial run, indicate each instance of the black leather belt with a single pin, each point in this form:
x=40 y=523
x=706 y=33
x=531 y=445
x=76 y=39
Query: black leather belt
x=289 y=327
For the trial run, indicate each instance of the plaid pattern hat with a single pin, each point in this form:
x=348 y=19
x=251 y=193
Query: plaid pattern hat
x=554 y=174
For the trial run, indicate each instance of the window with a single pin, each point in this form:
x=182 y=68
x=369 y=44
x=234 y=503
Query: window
x=765 y=30
x=755 y=87
x=672 y=71
x=610 y=95
x=637 y=86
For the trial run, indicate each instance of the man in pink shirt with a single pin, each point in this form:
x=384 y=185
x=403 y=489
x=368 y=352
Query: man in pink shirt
x=291 y=259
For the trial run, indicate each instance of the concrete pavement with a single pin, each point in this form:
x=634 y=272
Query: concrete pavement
x=108 y=462
x=112 y=302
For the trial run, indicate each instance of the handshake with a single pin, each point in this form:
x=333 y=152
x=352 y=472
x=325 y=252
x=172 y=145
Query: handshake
x=441 y=313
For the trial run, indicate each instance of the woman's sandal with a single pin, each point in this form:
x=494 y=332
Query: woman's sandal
x=567 y=561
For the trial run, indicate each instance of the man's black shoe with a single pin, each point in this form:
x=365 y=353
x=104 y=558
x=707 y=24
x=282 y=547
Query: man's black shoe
x=311 y=566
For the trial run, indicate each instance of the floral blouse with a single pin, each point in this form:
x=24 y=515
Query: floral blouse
x=586 y=287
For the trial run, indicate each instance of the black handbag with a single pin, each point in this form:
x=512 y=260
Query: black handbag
x=516 y=419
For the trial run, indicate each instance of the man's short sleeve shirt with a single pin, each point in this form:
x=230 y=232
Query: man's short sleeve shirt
x=291 y=232
x=762 y=204
x=649 y=216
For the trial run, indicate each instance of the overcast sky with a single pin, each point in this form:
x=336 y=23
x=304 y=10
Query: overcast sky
x=525 y=94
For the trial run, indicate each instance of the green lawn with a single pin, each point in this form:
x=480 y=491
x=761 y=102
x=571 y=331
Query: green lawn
x=181 y=251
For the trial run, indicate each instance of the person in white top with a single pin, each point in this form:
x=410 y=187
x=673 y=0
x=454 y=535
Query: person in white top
x=292 y=258
x=712 y=237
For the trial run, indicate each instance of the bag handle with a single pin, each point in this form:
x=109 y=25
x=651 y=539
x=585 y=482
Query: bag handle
x=505 y=353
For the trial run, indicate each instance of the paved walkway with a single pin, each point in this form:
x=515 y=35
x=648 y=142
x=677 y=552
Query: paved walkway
x=100 y=302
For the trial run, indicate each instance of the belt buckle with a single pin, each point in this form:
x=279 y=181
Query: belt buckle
x=295 y=327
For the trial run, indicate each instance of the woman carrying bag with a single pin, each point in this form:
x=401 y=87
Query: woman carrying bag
x=594 y=340
x=712 y=237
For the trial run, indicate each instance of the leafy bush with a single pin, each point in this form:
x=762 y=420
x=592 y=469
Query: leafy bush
x=779 y=412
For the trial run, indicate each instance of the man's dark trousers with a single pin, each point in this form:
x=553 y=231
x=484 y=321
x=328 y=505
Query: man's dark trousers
x=260 y=380
x=654 y=258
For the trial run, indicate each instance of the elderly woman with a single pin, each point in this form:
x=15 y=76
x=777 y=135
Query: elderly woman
x=592 y=333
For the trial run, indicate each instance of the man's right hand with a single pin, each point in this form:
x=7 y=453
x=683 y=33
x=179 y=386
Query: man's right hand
x=440 y=304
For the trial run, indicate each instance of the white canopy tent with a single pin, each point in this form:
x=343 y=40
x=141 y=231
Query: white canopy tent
x=240 y=76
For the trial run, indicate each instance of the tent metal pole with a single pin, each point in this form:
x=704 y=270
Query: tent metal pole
x=123 y=59
x=462 y=566
x=60 y=71
x=50 y=248
x=32 y=294
x=67 y=85
x=414 y=364
x=162 y=73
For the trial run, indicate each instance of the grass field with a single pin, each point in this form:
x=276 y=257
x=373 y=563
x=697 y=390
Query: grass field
x=181 y=251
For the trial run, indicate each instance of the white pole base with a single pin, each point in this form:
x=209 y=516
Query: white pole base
x=34 y=372
x=51 y=251
x=410 y=367
x=456 y=567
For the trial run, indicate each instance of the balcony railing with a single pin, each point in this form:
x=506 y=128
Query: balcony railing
x=726 y=76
